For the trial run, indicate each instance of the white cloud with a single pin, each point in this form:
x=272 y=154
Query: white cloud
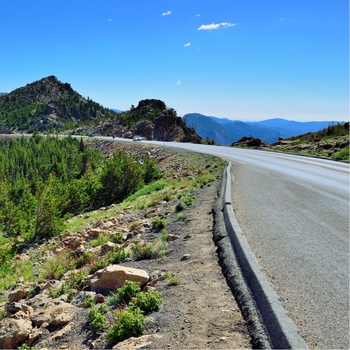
x=166 y=13
x=217 y=26
x=198 y=15
x=178 y=82
x=109 y=20
x=188 y=44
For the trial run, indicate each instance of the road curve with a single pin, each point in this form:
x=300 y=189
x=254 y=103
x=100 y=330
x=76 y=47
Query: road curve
x=294 y=212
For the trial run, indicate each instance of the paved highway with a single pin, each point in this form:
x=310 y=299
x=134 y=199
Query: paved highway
x=294 y=212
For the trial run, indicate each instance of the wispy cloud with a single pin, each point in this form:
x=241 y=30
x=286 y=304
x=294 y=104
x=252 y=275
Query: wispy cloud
x=217 y=26
x=109 y=20
x=198 y=15
x=188 y=44
x=178 y=82
x=166 y=13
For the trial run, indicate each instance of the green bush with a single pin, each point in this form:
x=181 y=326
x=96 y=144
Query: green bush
x=128 y=291
x=171 y=279
x=97 y=320
x=180 y=206
x=158 y=223
x=147 y=301
x=127 y=324
x=118 y=238
x=154 y=250
x=344 y=154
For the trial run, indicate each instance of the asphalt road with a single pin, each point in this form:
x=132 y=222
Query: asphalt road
x=294 y=212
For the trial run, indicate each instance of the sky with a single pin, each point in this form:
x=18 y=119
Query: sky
x=244 y=60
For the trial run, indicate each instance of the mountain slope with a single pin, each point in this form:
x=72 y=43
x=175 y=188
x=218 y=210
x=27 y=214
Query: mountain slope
x=50 y=105
x=47 y=104
x=207 y=127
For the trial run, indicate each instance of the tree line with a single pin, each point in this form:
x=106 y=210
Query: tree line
x=45 y=180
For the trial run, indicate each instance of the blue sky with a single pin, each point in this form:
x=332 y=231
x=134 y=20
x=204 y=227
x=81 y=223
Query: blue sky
x=239 y=59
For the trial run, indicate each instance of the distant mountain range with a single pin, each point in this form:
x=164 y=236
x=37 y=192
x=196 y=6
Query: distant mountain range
x=225 y=131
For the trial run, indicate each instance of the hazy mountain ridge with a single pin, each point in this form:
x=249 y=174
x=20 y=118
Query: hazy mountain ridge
x=226 y=131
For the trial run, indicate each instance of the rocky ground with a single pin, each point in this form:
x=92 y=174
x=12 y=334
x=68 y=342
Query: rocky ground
x=197 y=313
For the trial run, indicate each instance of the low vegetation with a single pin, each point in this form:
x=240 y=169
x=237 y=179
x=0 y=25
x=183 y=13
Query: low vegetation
x=123 y=315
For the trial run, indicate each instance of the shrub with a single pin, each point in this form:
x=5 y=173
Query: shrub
x=118 y=238
x=171 y=279
x=188 y=200
x=154 y=250
x=97 y=320
x=181 y=217
x=165 y=236
x=100 y=240
x=127 y=324
x=180 y=206
x=55 y=267
x=344 y=154
x=158 y=223
x=128 y=291
x=147 y=301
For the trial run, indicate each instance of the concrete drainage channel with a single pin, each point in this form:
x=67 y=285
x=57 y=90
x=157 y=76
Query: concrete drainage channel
x=269 y=323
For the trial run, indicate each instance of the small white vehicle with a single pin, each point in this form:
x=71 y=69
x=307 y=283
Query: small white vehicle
x=137 y=138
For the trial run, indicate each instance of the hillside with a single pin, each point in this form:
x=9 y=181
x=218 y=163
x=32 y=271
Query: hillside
x=331 y=142
x=50 y=105
x=162 y=236
x=47 y=104
x=225 y=131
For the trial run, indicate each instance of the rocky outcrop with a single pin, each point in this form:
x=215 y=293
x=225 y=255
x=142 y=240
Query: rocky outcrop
x=248 y=142
x=113 y=277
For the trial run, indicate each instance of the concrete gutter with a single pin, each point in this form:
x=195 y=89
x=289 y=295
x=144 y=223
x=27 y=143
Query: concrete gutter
x=270 y=323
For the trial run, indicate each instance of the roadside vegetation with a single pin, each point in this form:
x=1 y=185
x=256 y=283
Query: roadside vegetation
x=331 y=142
x=46 y=180
x=50 y=186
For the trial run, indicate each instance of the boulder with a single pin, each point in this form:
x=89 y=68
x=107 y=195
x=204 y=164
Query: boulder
x=113 y=277
x=18 y=294
x=56 y=315
x=14 y=332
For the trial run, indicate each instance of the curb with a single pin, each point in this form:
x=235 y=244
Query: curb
x=281 y=330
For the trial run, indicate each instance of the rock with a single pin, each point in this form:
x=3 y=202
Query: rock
x=14 y=332
x=172 y=237
x=33 y=336
x=107 y=247
x=148 y=340
x=13 y=307
x=18 y=294
x=56 y=315
x=113 y=277
x=38 y=301
x=185 y=257
x=79 y=300
x=94 y=232
x=62 y=332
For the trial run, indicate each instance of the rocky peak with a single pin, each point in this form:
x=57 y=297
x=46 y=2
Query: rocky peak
x=151 y=104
